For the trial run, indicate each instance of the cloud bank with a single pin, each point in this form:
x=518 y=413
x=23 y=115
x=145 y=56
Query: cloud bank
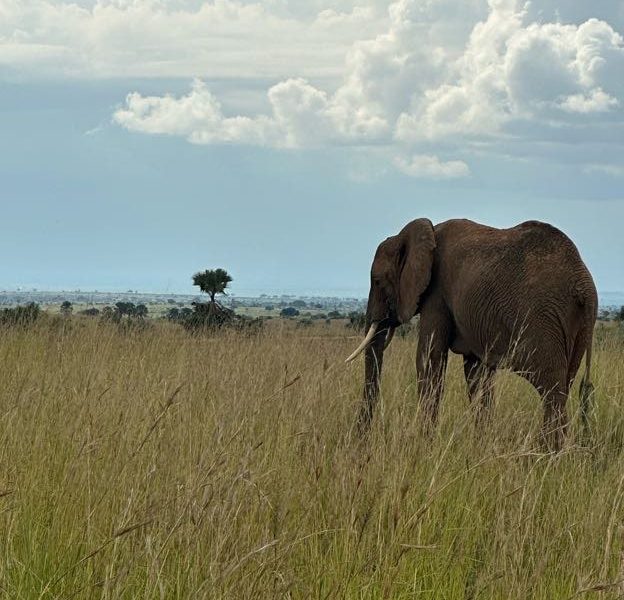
x=433 y=82
x=86 y=39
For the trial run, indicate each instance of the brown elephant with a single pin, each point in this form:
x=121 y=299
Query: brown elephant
x=520 y=298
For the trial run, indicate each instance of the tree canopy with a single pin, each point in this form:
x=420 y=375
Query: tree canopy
x=212 y=282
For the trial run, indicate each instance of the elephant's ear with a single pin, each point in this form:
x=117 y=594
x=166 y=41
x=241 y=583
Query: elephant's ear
x=417 y=243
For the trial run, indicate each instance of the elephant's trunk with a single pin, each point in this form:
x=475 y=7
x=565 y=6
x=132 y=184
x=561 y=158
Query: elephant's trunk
x=372 y=375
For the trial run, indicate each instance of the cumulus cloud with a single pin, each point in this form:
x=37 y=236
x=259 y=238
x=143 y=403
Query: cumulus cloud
x=516 y=72
x=421 y=78
x=302 y=116
x=197 y=116
x=443 y=72
x=178 y=38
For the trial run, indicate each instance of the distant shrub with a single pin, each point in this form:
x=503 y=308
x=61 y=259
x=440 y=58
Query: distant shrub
x=110 y=314
x=90 y=312
x=289 y=311
x=141 y=311
x=208 y=317
x=131 y=309
x=334 y=314
x=20 y=315
x=173 y=314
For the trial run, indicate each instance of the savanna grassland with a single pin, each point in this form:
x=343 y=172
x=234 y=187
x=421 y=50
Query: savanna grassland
x=157 y=464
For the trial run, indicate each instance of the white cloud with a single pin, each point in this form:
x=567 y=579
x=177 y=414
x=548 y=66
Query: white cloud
x=302 y=116
x=196 y=116
x=431 y=167
x=180 y=38
x=382 y=74
x=422 y=78
x=513 y=72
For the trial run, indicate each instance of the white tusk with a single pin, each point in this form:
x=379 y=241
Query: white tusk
x=389 y=336
x=367 y=340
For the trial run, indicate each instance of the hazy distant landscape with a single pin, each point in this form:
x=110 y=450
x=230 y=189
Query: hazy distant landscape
x=159 y=303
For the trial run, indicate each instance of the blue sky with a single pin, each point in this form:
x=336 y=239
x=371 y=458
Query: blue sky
x=283 y=141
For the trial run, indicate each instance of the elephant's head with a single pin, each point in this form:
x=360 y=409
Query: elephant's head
x=400 y=274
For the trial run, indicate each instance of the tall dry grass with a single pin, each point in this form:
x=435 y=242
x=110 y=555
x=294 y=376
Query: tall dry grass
x=155 y=464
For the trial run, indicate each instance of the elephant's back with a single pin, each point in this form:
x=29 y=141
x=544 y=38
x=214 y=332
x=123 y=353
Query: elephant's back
x=532 y=254
x=497 y=279
x=554 y=257
x=542 y=239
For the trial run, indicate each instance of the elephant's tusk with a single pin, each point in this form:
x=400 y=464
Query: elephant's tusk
x=389 y=336
x=367 y=340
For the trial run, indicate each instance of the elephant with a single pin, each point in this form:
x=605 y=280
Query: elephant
x=520 y=298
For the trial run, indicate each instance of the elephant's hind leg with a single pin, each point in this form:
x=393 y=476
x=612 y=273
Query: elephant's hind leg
x=480 y=382
x=553 y=389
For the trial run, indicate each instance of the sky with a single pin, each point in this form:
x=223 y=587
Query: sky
x=282 y=140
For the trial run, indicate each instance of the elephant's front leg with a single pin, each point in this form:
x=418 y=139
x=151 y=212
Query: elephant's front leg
x=432 y=355
x=373 y=362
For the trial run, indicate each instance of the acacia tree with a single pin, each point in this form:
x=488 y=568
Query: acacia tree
x=212 y=282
